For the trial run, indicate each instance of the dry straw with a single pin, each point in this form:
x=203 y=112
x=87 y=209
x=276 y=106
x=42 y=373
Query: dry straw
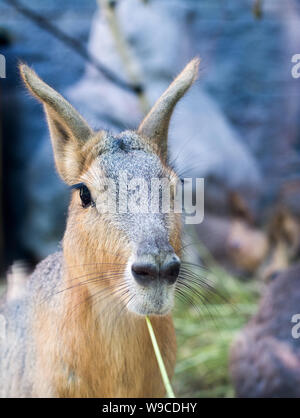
x=160 y=361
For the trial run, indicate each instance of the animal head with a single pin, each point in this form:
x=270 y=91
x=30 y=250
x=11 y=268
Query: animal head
x=145 y=244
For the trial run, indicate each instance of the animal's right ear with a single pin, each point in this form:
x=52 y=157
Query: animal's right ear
x=68 y=130
x=156 y=124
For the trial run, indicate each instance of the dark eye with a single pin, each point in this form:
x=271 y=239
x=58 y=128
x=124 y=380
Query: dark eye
x=84 y=193
x=85 y=196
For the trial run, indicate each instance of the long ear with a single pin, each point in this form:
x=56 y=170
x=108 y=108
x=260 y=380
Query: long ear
x=156 y=123
x=68 y=130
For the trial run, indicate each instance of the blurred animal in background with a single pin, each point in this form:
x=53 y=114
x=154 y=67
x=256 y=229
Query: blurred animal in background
x=284 y=241
x=283 y=230
x=233 y=239
x=247 y=248
x=265 y=356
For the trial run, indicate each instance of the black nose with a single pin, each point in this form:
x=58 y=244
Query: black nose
x=147 y=273
x=170 y=270
x=144 y=273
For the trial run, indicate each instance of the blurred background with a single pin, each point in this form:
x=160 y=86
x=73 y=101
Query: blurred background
x=239 y=128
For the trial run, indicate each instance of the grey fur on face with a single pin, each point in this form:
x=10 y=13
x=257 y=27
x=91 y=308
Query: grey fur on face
x=148 y=233
x=126 y=154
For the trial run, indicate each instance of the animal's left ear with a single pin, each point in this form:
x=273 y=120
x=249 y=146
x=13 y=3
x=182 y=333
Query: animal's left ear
x=156 y=123
x=68 y=130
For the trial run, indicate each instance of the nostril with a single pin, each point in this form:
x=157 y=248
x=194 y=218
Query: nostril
x=170 y=271
x=143 y=273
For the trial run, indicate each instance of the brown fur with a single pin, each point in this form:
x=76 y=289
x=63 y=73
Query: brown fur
x=83 y=342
